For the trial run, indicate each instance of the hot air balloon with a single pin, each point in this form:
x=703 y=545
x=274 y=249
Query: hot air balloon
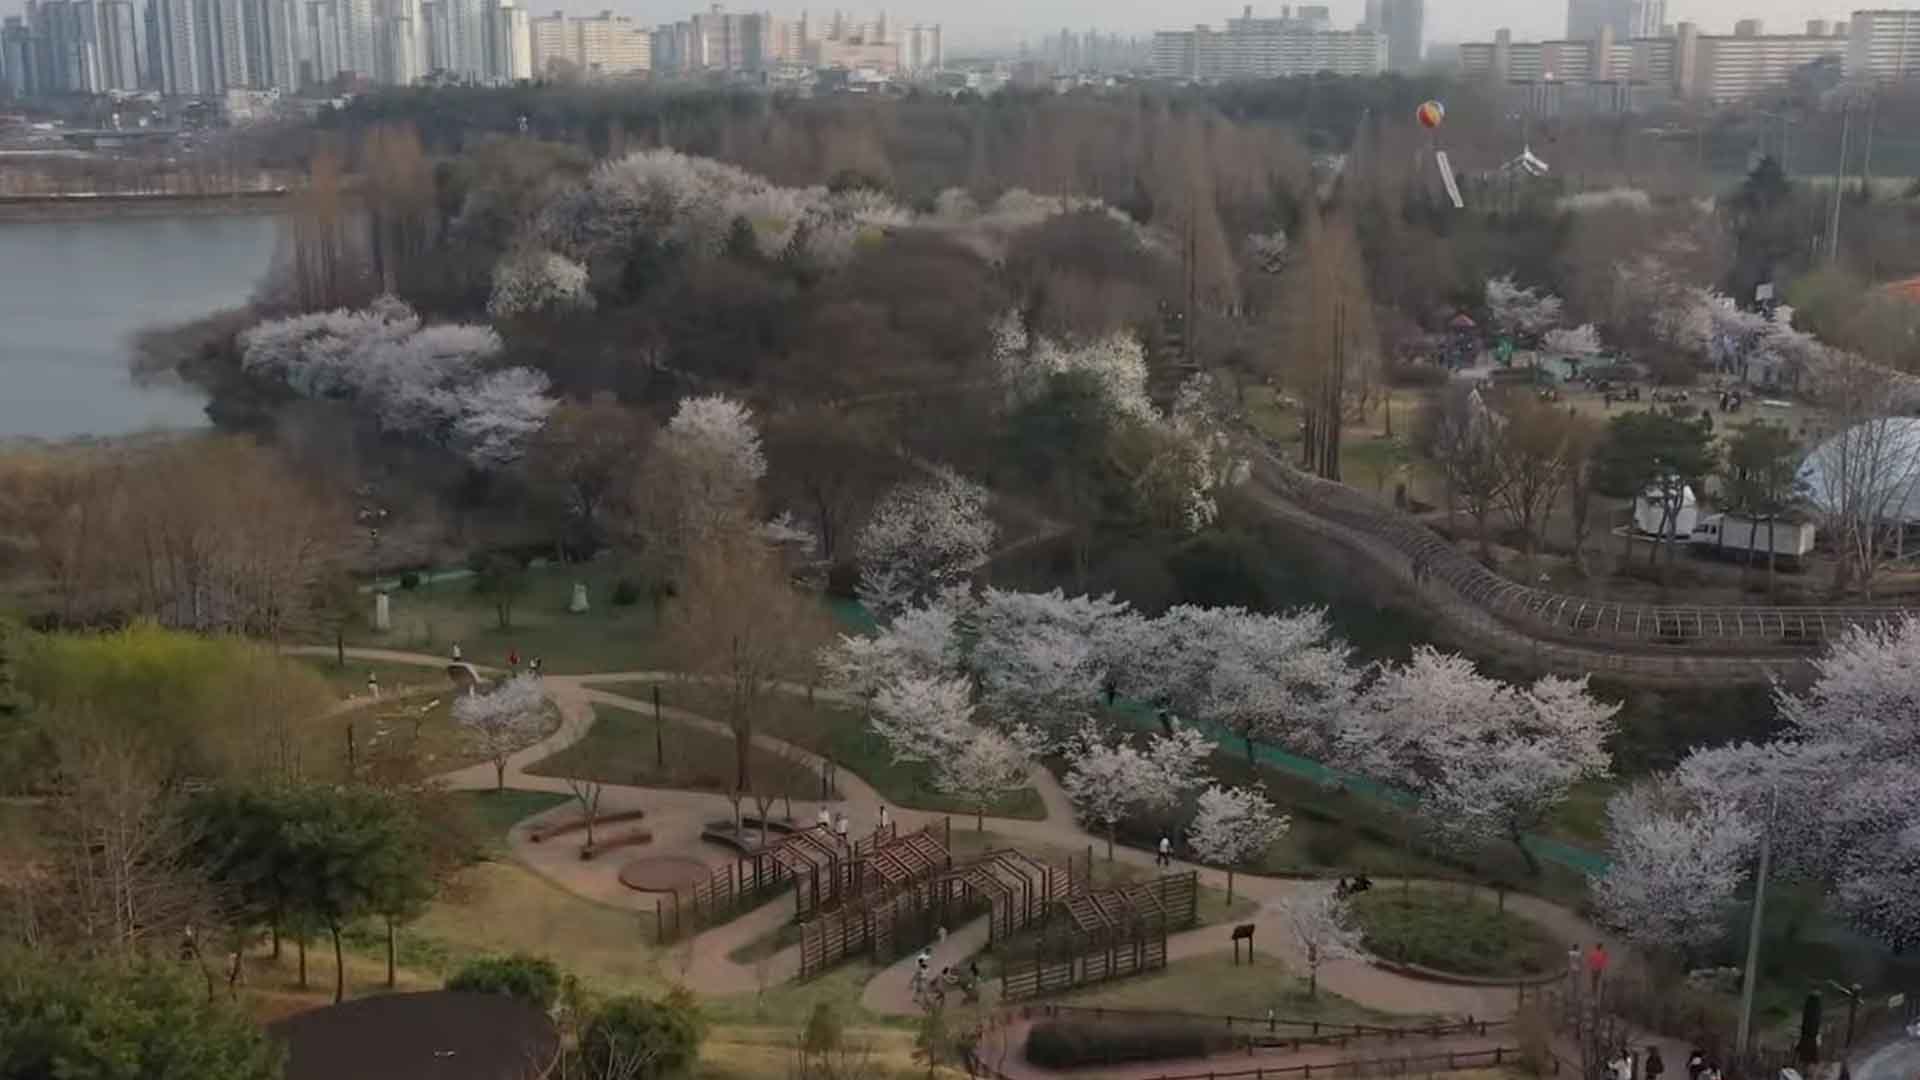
x=1430 y=114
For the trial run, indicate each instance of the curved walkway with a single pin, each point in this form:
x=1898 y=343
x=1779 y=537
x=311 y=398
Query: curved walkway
x=1668 y=642
x=709 y=968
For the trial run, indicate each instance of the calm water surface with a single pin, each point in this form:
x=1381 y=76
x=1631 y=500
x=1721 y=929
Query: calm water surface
x=72 y=293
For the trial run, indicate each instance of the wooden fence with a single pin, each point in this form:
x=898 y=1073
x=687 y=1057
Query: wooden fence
x=1276 y=1030
x=1037 y=976
x=1410 y=1065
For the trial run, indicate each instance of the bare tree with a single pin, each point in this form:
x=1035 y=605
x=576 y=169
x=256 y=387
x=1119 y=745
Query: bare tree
x=739 y=621
x=587 y=793
x=1460 y=435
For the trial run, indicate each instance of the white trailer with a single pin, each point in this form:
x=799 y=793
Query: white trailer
x=1733 y=535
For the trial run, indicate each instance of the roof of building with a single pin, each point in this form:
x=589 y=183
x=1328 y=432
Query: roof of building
x=1882 y=457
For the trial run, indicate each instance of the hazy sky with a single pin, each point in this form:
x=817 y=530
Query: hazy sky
x=1004 y=23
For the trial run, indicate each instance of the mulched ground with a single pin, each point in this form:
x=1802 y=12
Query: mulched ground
x=437 y=1035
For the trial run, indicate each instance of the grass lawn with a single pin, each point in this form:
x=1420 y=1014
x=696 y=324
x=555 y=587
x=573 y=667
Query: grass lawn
x=1214 y=985
x=494 y=812
x=841 y=735
x=606 y=638
x=415 y=734
x=620 y=749
x=1582 y=818
x=1449 y=930
x=395 y=679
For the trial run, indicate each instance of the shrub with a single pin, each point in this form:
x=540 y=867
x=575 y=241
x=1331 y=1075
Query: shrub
x=1067 y=1044
x=642 y=1039
x=532 y=979
x=626 y=592
x=410 y=580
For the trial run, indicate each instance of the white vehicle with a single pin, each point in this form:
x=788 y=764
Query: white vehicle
x=1732 y=536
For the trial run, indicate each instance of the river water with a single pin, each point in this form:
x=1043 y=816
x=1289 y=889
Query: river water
x=72 y=293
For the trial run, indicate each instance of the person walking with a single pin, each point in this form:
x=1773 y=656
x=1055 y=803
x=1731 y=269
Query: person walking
x=1656 y=1066
x=513 y=660
x=1597 y=965
x=826 y=819
x=1696 y=1064
x=840 y=828
x=1165 y=855
x=533 y=667
x=456 y=652
x=886 y=820
x=373 y=686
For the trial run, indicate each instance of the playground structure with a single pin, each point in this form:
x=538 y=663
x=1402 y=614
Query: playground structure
x=1103 y=934
x=1014 y=889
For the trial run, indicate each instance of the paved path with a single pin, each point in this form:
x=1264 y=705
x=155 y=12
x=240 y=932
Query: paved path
x=708 y=967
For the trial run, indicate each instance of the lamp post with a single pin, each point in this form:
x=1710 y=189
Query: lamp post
x=1753 y=931
x=1853 y=1009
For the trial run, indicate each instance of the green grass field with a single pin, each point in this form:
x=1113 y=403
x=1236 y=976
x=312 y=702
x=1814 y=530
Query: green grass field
x=606 y=638
x=623 y=748
x=1452 y=931
x=1214 y=985
x=841 y=735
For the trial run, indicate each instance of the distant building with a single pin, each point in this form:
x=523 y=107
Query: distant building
x=1404 y=24
x=1265 y=48
x=609 y=45
x=1883 y=45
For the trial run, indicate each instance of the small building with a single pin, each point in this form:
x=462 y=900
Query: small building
x=1735 y=535
x=1650 y=513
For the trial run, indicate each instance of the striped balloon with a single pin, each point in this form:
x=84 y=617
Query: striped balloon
x=1430 y=114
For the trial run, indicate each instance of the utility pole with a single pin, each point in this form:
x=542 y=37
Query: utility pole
x=1753 y=931
x=1866 y=161
x=1839 y=182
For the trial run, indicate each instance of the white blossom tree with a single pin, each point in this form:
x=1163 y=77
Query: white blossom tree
x=418 y=381
x=983 y=767
x=923 y=536
x=921 y=642
x=1676 y=864
x=1322 y=927
x=1041 y=657
x=709 y=464
x=1522 y=311
x=1116 y=363
x=1106 y=780
x=1836 y=790
x=503 y=721
x=1487 y=760
x=530 y=281
x=1232 y=826
x=922 y=718
x=1580 y=343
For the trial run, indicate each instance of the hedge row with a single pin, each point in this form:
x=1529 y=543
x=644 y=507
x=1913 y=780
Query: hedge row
x=1067 y=1044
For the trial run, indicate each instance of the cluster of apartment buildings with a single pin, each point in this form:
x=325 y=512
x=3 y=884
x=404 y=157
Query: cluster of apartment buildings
x=757 y=43
x=1620 y=55
x=205 y=48
x=1301 y=41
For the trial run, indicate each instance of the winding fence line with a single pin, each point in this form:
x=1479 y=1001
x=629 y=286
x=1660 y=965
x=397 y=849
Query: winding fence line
x=1676 y=642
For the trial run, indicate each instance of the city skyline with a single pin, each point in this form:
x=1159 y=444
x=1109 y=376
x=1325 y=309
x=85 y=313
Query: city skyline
x=1006 y=24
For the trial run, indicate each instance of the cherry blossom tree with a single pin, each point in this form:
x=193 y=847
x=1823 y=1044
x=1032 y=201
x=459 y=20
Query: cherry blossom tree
x=707 y=467
x=418 y=381
x=923 y=536
x=922 y=718
x=503 y=721
x=530 y=281
x=921 y=642
x=1232 y=826
x=1676 y=865
x=1579 y=343
x=1523 y=311
x=1041 y=656
x=981 y=768
x=1836 y=790
x=1117 y=364
x=1487 y=760
x=1322 y=927
x=1107 y=779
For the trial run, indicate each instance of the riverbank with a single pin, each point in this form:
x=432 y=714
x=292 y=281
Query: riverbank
x=108 y=206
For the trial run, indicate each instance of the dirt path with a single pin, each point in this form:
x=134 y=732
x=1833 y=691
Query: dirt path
x=709 y=969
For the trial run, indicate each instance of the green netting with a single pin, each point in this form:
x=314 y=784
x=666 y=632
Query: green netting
x=1548 y=849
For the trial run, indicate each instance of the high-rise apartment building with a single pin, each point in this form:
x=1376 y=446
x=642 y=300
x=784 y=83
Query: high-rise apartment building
x=1404 y=22
x=608 y=45
x=1883 y=45
x=1265 y=48
x=1586 y=18
x=921 y=50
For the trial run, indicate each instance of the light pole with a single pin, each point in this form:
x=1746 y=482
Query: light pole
x=1753 y=931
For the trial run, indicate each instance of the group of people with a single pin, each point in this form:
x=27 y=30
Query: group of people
x=1628 y=1065
x=1360 y=883
x=930 y=991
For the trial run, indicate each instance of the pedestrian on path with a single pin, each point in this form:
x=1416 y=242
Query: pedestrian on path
x=840 y=828
x=826 y=819
x=1597 y=966
x=533 y=667
x=513 y=660
x=373 y=686
x=1696 y=1064
x=1655 y=1064
x=1573 y=976
x=1165 y=856
x=885 y=820
x=456 y=652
